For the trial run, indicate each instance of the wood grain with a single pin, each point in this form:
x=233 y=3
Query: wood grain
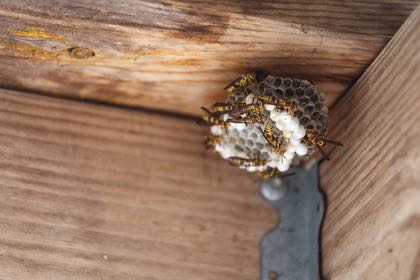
x=90 y=192
x=372 y=228
x=175 y=55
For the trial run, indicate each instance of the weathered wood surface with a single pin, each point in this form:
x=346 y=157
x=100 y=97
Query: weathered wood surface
x=178 y=54
x=372 y=228
x=90 y=192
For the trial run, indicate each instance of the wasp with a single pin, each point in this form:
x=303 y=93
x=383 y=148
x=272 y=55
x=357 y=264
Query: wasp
x=211 y=119
x=254 y=108
x=318 y=143
x=280 y=103
x=250 y=118
x=273 y=172
x=241 y=81
x=212 y=140
x=247 y=162
x=269 y=99
x=222 y=108
x=276 y=143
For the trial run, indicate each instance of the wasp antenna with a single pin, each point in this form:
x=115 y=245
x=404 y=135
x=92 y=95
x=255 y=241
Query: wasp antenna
x=206 y=110
x=233 y=83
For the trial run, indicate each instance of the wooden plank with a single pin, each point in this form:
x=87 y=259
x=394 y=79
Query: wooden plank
x=372 y=229
x=177 y=54
x=90 y=192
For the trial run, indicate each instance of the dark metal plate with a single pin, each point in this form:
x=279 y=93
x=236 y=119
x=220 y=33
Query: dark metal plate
x=291 y=251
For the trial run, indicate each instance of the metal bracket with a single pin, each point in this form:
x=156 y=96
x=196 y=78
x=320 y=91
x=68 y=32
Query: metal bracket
x=291 y=251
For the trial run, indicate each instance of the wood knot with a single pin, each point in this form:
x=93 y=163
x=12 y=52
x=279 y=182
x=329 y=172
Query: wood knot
x=80 y=53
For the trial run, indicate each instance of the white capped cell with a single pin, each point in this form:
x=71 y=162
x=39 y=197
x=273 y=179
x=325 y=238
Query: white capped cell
x=261 y=168
x=280 y=125
x=238 y=126
x=218 y=148
x=291 y=148
x=300 y=132
x=285 y=117
x=249 y=99
x=217 y=130
x=301 y=149
x=251 y=168
x=283 y=165
x=294 y=141
x=292 y=126
x=274 y=116
x=287 y=133
x=226 y=153
x=272 y=163
x=269 y=107
x=289 y=155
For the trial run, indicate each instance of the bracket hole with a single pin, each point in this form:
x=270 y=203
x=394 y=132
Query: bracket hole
x=273 y=275
x=273 y=190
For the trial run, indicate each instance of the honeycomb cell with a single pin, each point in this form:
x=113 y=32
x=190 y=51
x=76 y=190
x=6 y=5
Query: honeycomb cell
x=305 y=120
x=277 y=82
x=289 y=93
x=314 y=98
x=268 y=91
x=309 y=91
x=318 y=127
x=280 y=92
x=239 y=148
x=298 y=114
x=315 y=115
x=232 y=140
x=309 y=109
x=303 y=101
x=319 y=106
x=287 y=82
x=300 y=92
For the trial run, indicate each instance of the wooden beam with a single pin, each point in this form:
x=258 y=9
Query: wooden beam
x=372 y=228
x=90 y=192
x=178 y=54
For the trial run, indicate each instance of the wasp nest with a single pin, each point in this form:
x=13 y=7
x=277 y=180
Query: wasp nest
x=268 y=124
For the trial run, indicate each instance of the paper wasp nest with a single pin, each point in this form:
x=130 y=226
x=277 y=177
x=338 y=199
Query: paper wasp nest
x=268 y=124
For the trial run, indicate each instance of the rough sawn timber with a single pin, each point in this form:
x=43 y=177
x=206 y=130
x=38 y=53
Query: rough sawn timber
x=175 y=55
x=372 y=227
x=92 y=192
